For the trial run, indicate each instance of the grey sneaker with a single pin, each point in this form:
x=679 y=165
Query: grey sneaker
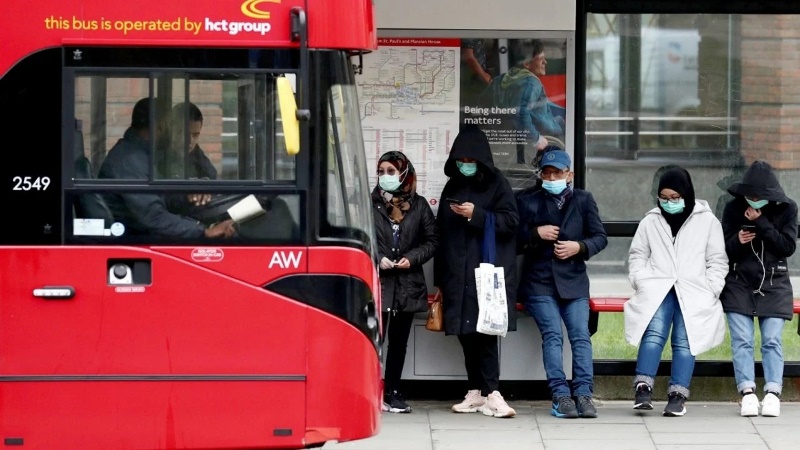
x=586 y=407
x=564 y=408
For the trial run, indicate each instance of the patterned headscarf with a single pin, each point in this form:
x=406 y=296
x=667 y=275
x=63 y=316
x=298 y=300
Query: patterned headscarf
x=399 y=202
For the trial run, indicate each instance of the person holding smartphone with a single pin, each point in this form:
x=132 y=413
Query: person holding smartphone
x=481 y=189
x=407 y=237
x=760 y=227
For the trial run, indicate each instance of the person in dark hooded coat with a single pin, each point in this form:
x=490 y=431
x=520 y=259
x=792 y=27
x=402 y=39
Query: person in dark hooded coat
x=479 y=187
x=760 y=227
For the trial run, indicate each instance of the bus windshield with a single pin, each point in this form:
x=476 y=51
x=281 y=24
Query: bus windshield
x=349 y=213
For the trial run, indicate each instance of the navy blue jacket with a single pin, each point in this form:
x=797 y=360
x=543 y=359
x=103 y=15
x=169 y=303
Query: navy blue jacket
x=579 y=220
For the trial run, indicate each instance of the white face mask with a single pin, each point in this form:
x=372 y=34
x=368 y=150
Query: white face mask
x=389 y=183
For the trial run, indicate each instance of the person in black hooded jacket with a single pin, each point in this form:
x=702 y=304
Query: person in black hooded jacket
x=405 y=229
x=477 y=187
x=760 y=227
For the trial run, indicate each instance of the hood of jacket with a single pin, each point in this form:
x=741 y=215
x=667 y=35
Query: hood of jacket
x=471 y=142
x=760 y=182
x=509 y=87
x=516 y=75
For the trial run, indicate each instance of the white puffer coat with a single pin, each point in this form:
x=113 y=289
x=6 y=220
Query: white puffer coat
x=695 y=264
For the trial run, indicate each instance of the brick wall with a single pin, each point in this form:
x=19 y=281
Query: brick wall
x=770 y=90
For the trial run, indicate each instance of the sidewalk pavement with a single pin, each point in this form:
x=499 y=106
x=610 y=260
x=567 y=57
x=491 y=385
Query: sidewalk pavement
x=706 y=425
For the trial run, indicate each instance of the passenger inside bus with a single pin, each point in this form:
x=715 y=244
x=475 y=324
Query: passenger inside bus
x=179 y=155
x=146 y=213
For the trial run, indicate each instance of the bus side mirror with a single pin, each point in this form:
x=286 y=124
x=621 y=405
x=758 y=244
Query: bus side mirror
x=288 y=110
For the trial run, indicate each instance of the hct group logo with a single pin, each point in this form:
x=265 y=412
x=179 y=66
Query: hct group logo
x=250 y=8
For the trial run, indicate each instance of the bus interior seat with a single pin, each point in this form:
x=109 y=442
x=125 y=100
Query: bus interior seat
x=88 y=205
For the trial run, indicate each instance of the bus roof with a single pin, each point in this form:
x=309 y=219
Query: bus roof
x=31 y=25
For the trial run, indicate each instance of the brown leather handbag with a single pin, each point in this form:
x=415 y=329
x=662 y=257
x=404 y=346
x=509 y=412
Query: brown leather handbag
x=435 y=314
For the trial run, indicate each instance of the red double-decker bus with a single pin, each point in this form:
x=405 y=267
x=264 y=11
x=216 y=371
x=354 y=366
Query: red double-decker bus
x=186 y=258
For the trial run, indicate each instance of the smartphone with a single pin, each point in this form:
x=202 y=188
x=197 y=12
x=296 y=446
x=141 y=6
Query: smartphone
x=452 y=200
x=749 y=228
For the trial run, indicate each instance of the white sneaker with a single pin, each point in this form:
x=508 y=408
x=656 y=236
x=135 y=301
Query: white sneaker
x=771 y=406
x=749 y=405
x=496 y=406
x=473 y=402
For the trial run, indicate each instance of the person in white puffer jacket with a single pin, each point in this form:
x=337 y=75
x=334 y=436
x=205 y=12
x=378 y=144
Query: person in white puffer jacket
x=677 y=267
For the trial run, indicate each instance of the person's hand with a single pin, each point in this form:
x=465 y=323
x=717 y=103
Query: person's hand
x=464 y=210
x=404 y=263
x=548 y=232
x=222 y=229
x=751 y=213
x=386 y=264
x=541 y=143
x=199 y=199
x=566 y=249
x=746 y=236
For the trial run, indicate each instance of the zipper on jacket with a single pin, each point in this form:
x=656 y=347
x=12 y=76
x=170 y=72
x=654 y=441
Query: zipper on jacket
x=770 y=277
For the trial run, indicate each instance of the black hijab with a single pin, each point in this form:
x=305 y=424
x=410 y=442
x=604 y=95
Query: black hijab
x=678 y=180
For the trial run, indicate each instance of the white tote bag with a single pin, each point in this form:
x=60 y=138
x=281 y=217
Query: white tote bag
x=492 y=303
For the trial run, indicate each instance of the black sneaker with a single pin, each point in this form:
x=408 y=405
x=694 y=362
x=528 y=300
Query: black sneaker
x=394 y=402
x=586 y=407
x=644 y=397
x=564 y=408
x=675 y=406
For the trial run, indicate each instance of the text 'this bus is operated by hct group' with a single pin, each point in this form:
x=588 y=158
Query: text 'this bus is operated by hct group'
x=190 y=260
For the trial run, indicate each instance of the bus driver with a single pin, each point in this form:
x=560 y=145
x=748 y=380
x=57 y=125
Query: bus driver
x=146 y=213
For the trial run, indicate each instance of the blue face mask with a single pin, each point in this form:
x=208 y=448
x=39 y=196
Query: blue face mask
x=757 y=205
x=389 y=183
x=554 y=187
x=468 y=169
x=672 y=207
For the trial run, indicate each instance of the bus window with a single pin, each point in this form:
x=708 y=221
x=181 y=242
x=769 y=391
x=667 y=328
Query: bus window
x=208 y=128
x=181 y=156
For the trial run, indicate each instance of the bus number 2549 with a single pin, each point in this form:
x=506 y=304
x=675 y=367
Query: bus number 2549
x=31 y=183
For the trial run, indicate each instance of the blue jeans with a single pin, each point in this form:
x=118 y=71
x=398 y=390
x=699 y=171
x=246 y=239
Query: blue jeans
x=548 y=313
x=742 y=340
x=667 y=316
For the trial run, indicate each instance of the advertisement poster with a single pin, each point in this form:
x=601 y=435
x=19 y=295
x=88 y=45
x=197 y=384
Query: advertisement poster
x=416 y=93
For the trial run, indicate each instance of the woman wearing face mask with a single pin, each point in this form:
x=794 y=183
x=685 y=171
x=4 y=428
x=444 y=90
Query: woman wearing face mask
x=760 y=226
x=407 y=238
x=677 y=266
x=476 y=187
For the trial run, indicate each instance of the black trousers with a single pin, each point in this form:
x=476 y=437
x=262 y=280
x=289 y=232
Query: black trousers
x=398 y=327
x=482 y=361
